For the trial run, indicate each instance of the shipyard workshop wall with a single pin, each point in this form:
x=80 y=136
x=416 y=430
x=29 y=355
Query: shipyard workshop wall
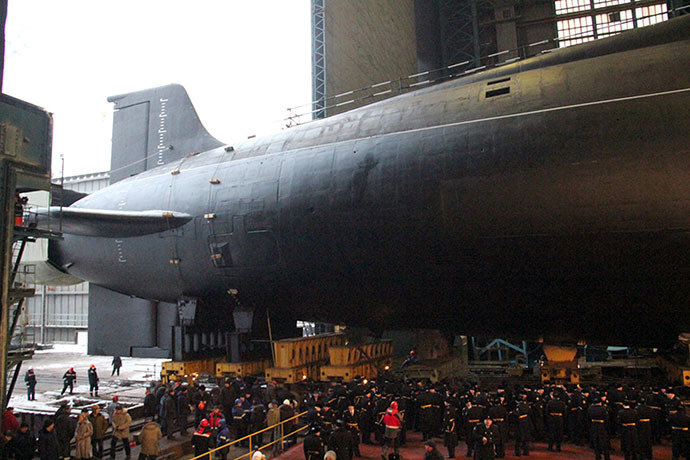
x=56 y=313
x=64 y=309
x=370 y=50
x=368 y=42
x=366 y=51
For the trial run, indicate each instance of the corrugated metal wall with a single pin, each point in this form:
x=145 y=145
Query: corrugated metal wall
x=66 y=307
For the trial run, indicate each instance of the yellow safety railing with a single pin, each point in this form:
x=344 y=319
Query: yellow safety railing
x=281 y=440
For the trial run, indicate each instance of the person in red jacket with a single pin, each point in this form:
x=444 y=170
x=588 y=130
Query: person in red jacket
x=393 y=424
x=202 y=440
x=9 y=421
x=214 y=418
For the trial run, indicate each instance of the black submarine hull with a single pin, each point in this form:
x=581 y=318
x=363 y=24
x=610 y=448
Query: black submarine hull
x=548 y=198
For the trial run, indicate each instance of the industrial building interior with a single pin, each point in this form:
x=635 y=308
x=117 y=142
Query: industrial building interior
x=363 y=53
x=356 y=63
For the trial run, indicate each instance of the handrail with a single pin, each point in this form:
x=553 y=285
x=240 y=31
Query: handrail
x=250 y=436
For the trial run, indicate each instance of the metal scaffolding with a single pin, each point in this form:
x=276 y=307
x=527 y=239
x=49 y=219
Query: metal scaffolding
x=318 y=58
x=460 y=31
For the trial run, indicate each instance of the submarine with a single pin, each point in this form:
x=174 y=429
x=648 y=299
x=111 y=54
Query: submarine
x=545 y=198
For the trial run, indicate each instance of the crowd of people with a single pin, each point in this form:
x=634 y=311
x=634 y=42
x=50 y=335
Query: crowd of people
x=89 y=429
x=55 y=438
x=342 y=416
x=233 y=411
x=488 y=422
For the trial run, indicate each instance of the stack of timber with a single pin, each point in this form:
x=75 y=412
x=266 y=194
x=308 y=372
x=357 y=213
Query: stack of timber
x=366 y=360
x=301 y=358
x=181 y=371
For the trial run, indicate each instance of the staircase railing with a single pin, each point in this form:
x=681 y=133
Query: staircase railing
x=283 y=435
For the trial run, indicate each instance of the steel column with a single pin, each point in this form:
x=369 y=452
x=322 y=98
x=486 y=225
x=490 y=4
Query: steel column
x=7 y=186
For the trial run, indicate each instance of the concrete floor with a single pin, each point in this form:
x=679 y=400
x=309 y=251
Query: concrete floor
x=50 y=365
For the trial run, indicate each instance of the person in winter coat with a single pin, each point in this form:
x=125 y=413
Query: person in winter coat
x=342 y=442
x=24 y=443
x=239 y=420
x=170 y=414
x=47 y=441
x=182 y=411
x=68 y=379
x=110 y=408
x=150 y=404
x=100 y=426
x=149 y=437
x=9 y=421
x=523 y=427
x=598 y=418
x=121 y=423
x=227 y=399
x=430 y=451
x=161 y=413
x=83 y=436
x=392 y=426
x=272 y=419
x=93 y=380
x=201 y=440
x=6 y=445
x=222 y=438
x=214 y=419
x=450 y=428
x=485 y=435
x=64 y=430
x=257 y=418
x=201 y=412
x=287 y=412
x=30 y=380
x=117 y=364
x=313 y=445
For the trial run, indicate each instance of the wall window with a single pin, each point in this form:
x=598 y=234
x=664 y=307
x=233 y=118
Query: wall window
x=591 y=19
x=612 y=23
x=572 y=6
x=576 y=30
x=649 y=15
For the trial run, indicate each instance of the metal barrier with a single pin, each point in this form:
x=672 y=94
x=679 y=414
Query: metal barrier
x=281 y=439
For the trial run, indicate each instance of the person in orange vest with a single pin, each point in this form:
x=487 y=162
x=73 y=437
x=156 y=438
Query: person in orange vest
x=93 y=380
x=68 y=379
x=19 y=202
x=201 y=440
x=392 y=425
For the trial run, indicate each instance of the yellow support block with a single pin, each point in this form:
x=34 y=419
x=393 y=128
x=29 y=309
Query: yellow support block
x=353 y=354
x=180 y=371
x=242 y=369
x=367 y=369
x=292 y=374
x=305 y=351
